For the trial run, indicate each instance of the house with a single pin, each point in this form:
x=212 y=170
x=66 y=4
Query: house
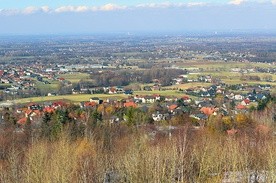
x=172 y=108
x=49 y=109
x=146 y=99
x=120 y=90
x=170 y=99
x=199 y=116
x=113 y=119
x=205 y=94
x=22 y=121
x=90 y=104
x=51 y=94
x=245 y=102
x=209 y=111
x=260 y=96
x=96 y=100
x=61 y=79
x=241 y=107
x=158 y=116
x=238 y=97
x=112 y=90
x=186 y=99
x=156 y=87
x=147 y=88
x=130 y=104
x=33 y=106
x=205 y=104
x=1 y=73
x=128 y=92
x=265 y=87
x=251 y=98
x=58 y=104
x=220 y=91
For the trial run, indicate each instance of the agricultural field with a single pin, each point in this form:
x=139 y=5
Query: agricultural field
x=219 y=65
x=222 y=70
x=73 y=98
x=75 y=77
x=53 y=86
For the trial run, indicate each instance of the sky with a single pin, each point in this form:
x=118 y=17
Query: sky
x=108 y=16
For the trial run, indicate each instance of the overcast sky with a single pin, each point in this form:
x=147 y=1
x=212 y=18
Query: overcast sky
x=96 y=16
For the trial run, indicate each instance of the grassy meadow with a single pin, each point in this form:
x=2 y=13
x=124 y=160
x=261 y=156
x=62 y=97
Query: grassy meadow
x=73 y=98
x=75 y=77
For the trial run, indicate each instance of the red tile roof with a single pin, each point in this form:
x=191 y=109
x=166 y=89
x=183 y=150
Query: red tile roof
x=48 y=109
x=90 y=104
x=130 y=104
x=22 y=121
x=240 y=107
x=173 y=107
x=208 y=110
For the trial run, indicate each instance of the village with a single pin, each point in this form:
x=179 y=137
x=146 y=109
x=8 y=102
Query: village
x=197 y=104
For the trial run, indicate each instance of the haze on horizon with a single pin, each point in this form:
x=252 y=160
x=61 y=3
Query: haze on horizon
x=77 y=17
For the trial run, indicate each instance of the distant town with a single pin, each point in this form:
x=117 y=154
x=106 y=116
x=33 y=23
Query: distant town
x=176 y=74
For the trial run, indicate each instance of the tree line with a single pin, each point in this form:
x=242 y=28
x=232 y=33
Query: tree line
x=125 y=77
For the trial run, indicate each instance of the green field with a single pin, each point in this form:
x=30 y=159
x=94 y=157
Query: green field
x=221 y=65
x=48 y=87
x=189 y=85
x=85 y=97
x=74 y=98
x=75 y=77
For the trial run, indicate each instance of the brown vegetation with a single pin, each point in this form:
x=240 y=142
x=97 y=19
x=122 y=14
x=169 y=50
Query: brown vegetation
x=122 y=154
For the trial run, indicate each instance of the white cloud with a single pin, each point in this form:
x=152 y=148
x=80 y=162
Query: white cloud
x=63 y=9
x=237 y=2
x=45 y=9
x=25 y=11
x=170 y=5
x=9 y=12
x=196 y=4
x=114 y=7
x=107 y=7
x=111 y=7
x=155 y=5
x=30 y=10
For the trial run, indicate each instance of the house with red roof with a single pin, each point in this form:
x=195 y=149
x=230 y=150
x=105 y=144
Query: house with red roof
x=112 y=90
x=58 y=104
x=130 y=104
x=1 y=73
x=241 y=107
x=172 y=108
x=186 y=99
x=90 y=104
x=245 y=102
x=49 y=109
x=209 y=111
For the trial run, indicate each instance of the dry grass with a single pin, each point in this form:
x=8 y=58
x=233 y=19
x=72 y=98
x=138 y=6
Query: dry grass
x=187 y=156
